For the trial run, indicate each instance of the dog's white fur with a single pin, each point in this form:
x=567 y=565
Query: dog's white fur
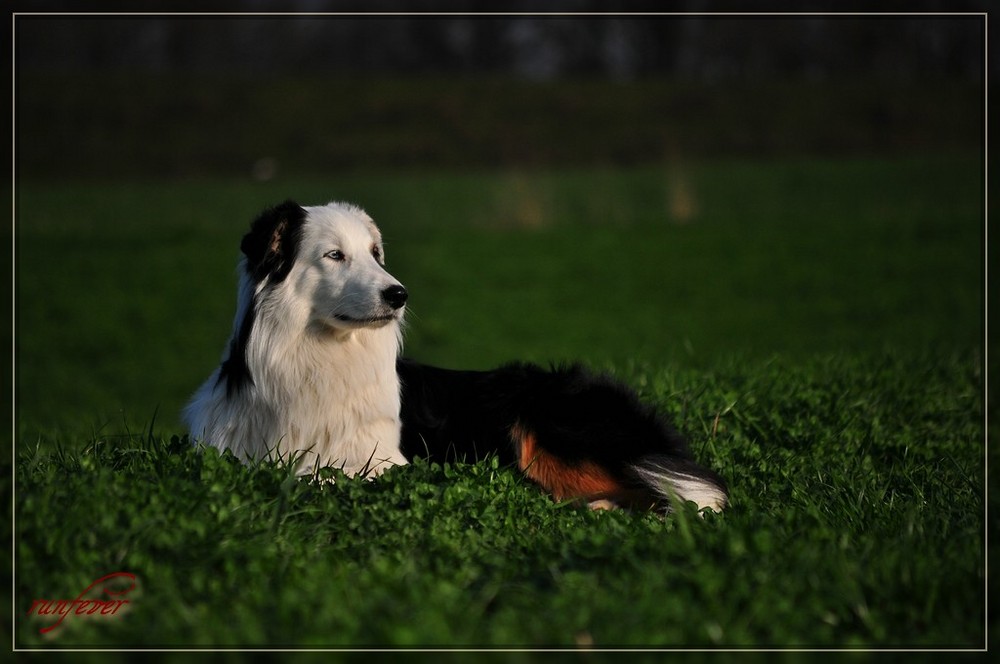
x=321 y=353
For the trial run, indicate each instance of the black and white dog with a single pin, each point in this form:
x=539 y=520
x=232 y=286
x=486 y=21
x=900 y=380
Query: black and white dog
x=312 y=372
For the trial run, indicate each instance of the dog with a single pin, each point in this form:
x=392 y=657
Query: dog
x=312 y=374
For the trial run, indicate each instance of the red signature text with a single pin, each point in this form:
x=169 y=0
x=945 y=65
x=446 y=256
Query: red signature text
x=114 y=585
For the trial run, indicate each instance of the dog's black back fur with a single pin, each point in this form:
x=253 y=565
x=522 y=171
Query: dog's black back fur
x=576 y=415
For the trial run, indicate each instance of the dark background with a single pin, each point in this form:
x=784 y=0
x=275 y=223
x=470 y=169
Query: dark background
x=153 y=96
x=816 y=47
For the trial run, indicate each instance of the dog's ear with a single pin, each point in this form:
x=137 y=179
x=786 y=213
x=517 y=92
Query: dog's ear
x=273 y=240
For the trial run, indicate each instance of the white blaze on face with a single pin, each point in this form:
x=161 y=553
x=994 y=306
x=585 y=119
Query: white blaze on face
x=340 y=269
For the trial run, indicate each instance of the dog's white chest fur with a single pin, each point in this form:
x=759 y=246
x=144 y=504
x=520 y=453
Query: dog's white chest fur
x=309 y=372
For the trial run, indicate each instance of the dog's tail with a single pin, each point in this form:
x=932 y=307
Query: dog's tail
x=651 y=480
x=676 y=479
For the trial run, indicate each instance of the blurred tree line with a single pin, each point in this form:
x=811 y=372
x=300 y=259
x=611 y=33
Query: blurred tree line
x=701 y=47
x=182 y=95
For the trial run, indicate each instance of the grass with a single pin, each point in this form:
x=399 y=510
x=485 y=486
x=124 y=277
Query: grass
x=134 y=286
x=814 y=327
x=851 y=525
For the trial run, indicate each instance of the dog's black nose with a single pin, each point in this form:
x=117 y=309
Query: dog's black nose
x=395 y=296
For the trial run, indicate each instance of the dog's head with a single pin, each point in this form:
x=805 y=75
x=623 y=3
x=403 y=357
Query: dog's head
x=328 y=258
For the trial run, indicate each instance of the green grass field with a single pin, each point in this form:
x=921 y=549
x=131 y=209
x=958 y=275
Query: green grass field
x=814 y=327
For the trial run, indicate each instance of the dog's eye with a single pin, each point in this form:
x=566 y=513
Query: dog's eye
x=377 y=253
x=335 y=255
